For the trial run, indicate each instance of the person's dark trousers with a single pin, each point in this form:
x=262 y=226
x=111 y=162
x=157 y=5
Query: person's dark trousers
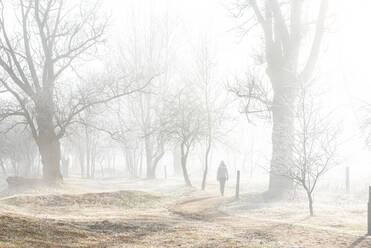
x=222 y=185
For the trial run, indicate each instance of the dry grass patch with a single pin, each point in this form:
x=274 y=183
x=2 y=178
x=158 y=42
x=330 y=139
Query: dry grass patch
x=121 y=199
x=21 y=231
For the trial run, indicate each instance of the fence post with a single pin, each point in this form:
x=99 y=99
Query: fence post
x=369 y=211
x=238 y=185
x=347 y=180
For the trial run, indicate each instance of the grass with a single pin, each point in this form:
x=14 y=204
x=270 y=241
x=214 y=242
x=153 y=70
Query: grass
x=22 y=231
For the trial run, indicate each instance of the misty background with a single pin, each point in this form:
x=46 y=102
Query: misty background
x=165 y=42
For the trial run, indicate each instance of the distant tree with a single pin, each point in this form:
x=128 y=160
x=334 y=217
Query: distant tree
x=186 y=124
x=18 y=152
x=208 y=91
x=92 y=139
x=144 y=113
x=145 y=51
x=127 y=135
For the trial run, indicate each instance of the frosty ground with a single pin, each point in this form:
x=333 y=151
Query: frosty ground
x=157 y=213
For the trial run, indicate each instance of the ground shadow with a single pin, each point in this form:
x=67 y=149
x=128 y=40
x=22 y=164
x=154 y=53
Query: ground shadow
x=358 y=241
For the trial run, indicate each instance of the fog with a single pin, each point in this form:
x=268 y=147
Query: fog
x=170 y=123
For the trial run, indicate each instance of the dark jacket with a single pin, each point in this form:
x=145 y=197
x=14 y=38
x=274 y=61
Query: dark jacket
x=222 y=173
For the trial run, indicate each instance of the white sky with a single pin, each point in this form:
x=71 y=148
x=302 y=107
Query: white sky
x=348 y=46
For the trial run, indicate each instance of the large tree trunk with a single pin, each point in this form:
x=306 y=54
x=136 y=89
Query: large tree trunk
x=47 y=140
x=283 y=110
x=49 y=148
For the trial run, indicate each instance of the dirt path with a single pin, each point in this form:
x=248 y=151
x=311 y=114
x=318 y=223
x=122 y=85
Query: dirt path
x=277 y=233
x=204 y=208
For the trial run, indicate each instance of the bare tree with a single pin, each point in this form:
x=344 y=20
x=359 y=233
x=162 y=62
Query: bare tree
x=281 y=23
x=49 y=37
x=186 y=124
x=316 y=143
x=205 y=74
x=146 y=112
x=147 y=51
x=208 y=91
x=127 y=134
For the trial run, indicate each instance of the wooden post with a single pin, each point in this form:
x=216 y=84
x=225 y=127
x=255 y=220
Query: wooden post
x=347 y=180
x=369 y=211
x=238 y=185
x=165 y=172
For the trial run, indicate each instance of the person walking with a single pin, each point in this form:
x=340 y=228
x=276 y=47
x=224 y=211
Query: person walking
x=222 y=176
